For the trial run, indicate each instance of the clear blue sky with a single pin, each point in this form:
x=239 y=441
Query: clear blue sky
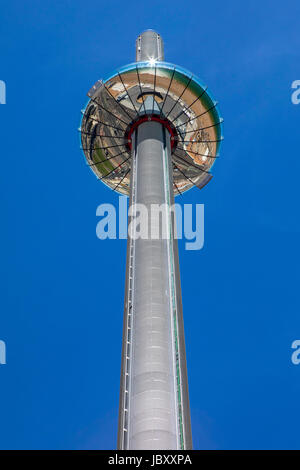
x=62 y=288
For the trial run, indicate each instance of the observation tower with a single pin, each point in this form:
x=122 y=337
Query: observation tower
x=152 y=131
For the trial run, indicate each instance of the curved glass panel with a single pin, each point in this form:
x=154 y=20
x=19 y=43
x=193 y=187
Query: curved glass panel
x=167 y=91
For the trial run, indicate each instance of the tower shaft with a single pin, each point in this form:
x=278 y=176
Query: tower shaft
x=154 y=406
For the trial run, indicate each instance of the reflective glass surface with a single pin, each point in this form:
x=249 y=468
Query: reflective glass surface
x=179 y=97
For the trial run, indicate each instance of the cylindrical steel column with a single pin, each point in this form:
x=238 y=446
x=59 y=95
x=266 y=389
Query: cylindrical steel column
x=154 y=404
x=152 y=408
x=149 y=46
